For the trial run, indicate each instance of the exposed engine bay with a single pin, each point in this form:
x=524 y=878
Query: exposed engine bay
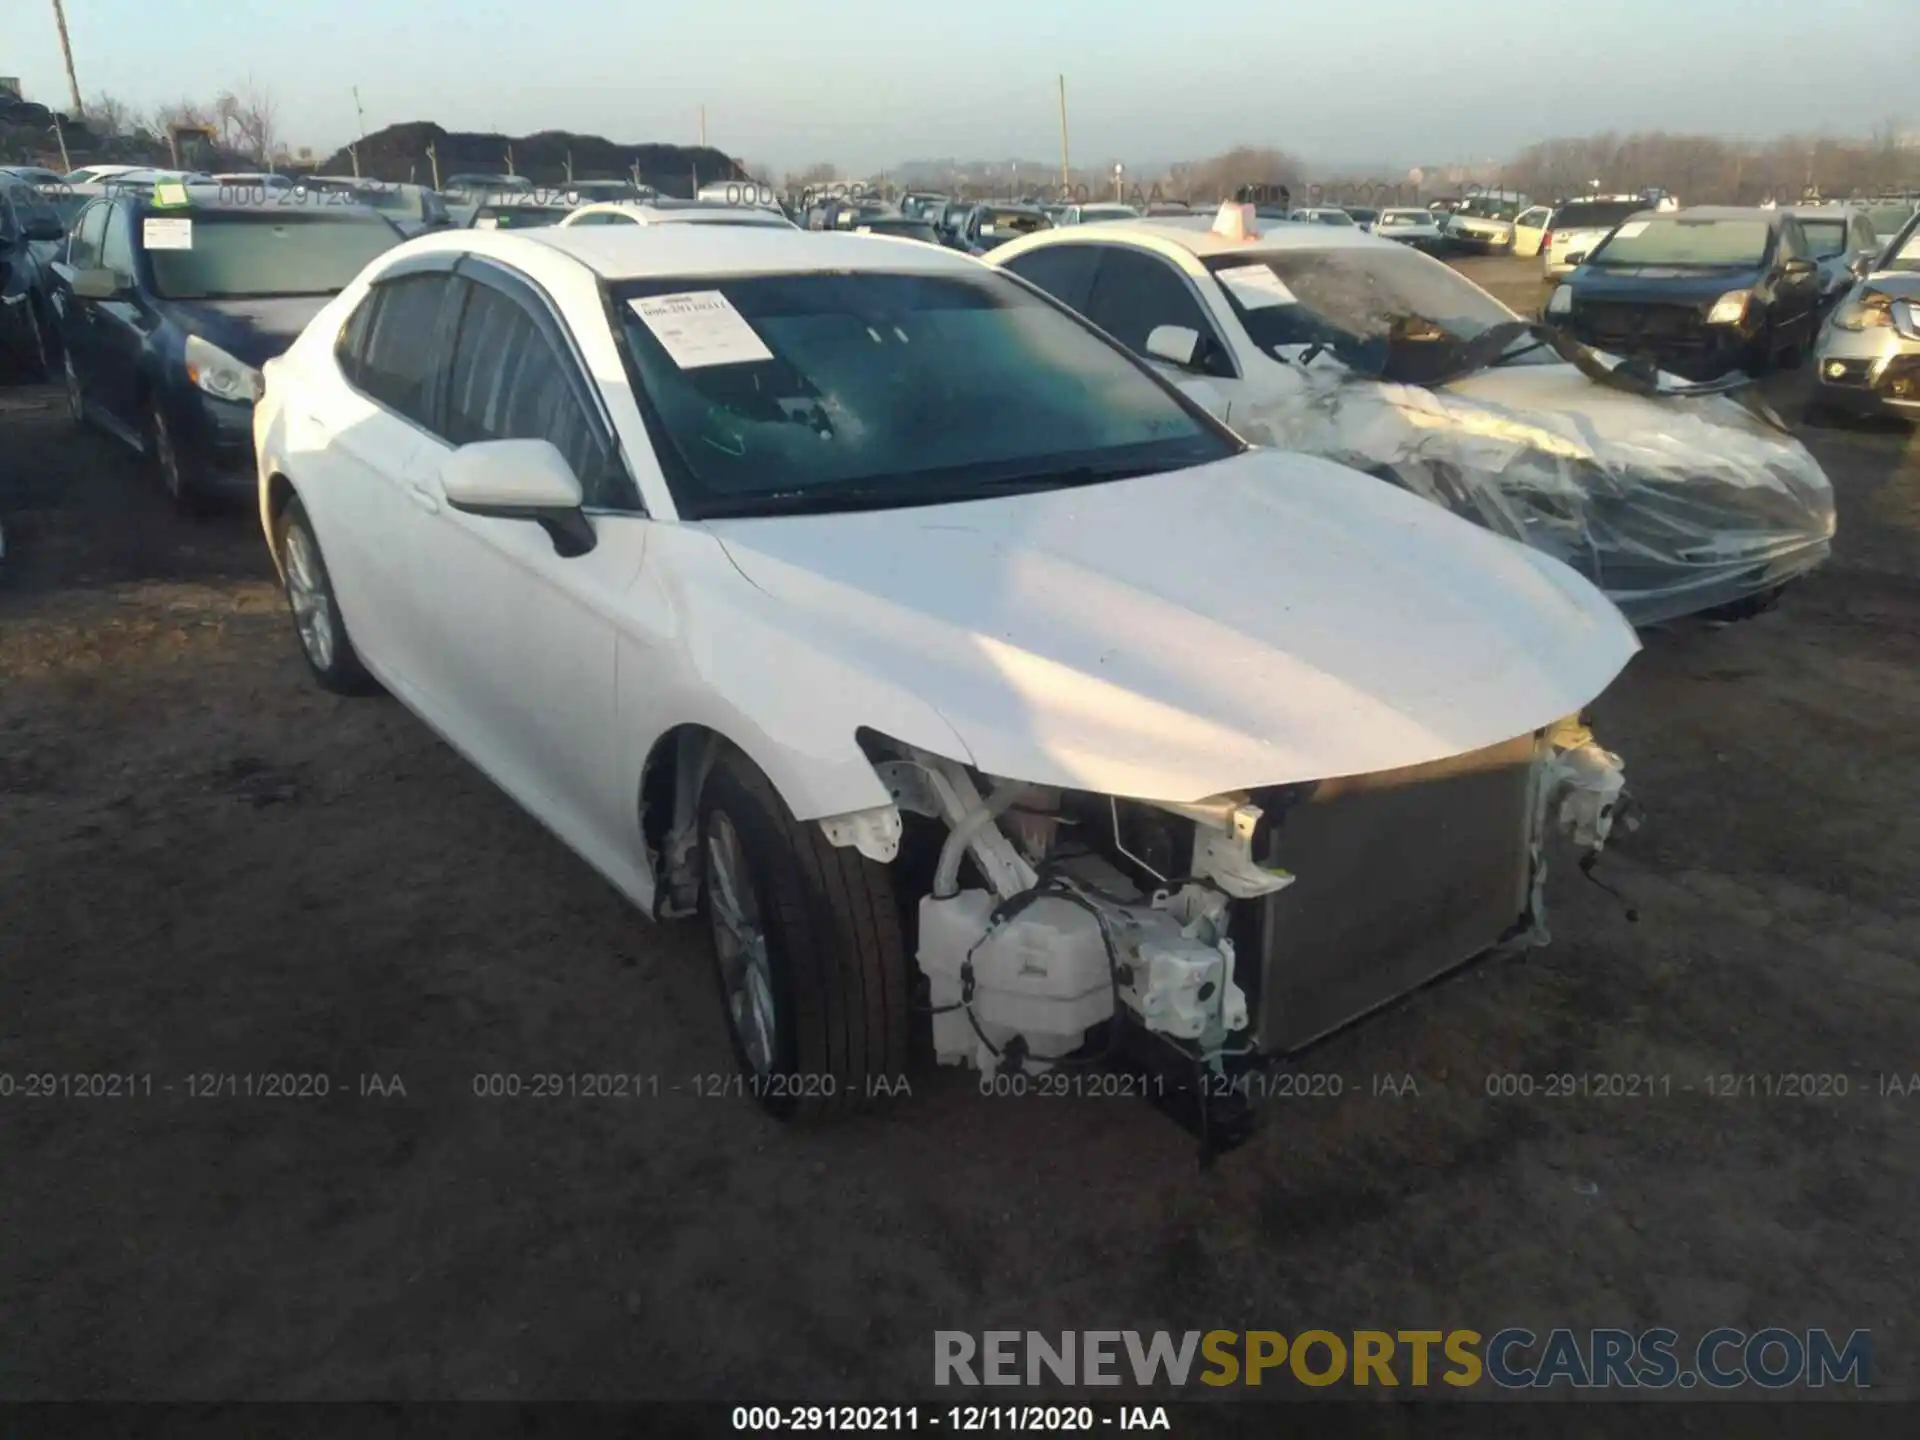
x=1195 y=941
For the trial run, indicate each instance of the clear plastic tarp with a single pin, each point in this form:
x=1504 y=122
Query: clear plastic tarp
x=1674 y=498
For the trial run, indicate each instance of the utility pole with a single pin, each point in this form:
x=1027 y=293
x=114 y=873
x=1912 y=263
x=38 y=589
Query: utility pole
x=360 y=117
x=703 y=127
x=66 y=52
x=60 y=134
x=433 y=160
x=1066 y=172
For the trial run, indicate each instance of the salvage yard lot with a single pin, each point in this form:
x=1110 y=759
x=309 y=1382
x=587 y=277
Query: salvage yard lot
x=214 y=869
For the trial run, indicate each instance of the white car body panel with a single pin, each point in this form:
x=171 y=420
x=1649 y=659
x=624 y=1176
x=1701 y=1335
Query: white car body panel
x=1294 y=625
x=1069 y=643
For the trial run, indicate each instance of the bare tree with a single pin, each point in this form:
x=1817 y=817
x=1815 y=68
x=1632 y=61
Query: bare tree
x=108 y=117
x=254 y=116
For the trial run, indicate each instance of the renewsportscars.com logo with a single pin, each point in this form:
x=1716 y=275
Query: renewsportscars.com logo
x=1512 y=1359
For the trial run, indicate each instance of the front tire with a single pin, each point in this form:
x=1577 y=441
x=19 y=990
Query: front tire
x=808 y=951
x=176 y=471
x=316 y=614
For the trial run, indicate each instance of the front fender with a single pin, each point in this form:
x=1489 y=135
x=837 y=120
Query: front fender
x=709 y=648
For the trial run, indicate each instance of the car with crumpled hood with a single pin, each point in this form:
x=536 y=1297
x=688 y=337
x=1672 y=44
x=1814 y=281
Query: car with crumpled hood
x=1345 y=345
x=1867 y=359
x=1086 y=737
x=1701 y=292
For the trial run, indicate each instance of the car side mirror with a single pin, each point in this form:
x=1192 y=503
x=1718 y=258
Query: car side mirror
x=97 y=285
x=1175 y=344
x=1800 y=267
x=520 y=480
x=1578 y=259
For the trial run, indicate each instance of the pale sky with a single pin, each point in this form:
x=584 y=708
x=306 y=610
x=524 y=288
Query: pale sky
x=867 y=84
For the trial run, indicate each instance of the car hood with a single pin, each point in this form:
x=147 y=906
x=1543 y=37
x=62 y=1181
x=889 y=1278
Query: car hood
x=1662 y=284
x=1670 y=506
x=252 y=331
x=1259 y=621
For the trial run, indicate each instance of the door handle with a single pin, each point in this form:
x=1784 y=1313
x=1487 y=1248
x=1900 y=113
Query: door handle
x=424 y=498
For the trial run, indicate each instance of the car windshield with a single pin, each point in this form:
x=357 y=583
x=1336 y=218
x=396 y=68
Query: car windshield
x=1360 y=213
x=1826 y=238
x=1594 y=214
x=783 y=393
x=1090 y=213
x=1332 y=217
x=912 y=229
x=1887 y=219
x=234 y=255
x=518 y=217
x=402 y=200
x=1684 y=240
x=1391 y=218
x=1903 y=251
x=1487 y=207
x=1389 y=313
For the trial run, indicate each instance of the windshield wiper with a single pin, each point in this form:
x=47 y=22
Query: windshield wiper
x=903 y=493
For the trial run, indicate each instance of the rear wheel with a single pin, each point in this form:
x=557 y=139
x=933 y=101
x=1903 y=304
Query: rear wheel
x=808 y=950
x=316 y=611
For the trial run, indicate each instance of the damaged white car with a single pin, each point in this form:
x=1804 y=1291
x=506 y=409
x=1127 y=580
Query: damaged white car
x=948 y=659
x=1673 y=501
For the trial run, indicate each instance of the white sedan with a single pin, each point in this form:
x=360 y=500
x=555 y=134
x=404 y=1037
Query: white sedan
x=930 y=644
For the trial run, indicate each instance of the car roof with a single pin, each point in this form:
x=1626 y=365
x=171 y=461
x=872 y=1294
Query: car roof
x=640 y=252
x=1197 y=236
x=653 y=212
x=1715 y=212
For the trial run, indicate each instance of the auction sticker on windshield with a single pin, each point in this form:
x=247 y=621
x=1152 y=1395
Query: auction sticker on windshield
x=1630 y=229
x=1256 y=287
x=700 y=328
x=166 y=233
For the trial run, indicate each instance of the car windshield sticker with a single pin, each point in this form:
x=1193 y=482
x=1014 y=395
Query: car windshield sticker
x=1256 y=287
x=487 y=222
x=166 y=233
x=1630 y=229
x=700 y=328
x=169 y=194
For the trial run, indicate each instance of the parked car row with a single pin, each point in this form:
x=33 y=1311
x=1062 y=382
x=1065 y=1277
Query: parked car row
x=925 y=711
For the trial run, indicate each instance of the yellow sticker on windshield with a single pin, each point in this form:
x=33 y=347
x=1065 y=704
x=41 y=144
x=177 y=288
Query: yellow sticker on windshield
x=169 y=194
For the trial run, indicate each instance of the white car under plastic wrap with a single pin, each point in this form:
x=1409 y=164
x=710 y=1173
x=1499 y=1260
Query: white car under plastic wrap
x=1671 y=507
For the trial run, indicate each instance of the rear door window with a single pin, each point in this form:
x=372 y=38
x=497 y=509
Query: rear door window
x=399 y=359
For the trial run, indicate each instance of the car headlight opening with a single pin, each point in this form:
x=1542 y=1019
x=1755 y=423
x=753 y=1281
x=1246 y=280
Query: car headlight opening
x=219 y=374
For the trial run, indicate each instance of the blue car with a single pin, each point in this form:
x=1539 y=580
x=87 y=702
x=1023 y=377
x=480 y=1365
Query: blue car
x=169 y=301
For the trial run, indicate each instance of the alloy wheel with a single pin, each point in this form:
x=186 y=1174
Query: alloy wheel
x=309 y=598
x=740 y=945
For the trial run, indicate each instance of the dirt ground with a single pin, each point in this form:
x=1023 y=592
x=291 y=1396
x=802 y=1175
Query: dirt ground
x=211 y=868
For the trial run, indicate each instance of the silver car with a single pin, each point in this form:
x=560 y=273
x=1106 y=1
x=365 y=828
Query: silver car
x=1867 y=358
x=1843 y=244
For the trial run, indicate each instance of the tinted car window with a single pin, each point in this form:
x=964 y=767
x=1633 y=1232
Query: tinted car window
x=1063 y=271
x=350 y=351
x=241 y=253
x=1134 y=293
x=882 y=389
x=116 y=250
x=398 y=358
x=84 y=251
x=508 y=382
